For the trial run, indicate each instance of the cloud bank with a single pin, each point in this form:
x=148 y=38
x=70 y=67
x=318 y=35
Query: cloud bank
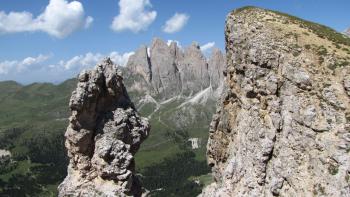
x=89 y=60
x=18 y=66
x=39 y=69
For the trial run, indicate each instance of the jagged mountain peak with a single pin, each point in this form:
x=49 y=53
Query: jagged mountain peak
x=172 y=71
x=158 y=41
x=173 y=44
x=195 y=44
x=194 y=50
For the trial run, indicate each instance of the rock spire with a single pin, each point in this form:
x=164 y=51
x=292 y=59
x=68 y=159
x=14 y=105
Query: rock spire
x=103 y=136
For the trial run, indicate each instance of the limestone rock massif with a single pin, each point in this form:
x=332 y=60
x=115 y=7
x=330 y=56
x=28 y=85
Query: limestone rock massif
x=282 y=127
x=169 y=71
x=179 y=84
x=103 y=135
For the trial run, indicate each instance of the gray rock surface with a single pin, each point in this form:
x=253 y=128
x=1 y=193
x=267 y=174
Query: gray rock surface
x=165 y=74
x=194 y=70
x=216 y=66
x=172 y=71
x=139 y=63
x=282 y=127
x=103 y=135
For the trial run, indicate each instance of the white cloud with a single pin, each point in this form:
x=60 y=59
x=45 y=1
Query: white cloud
x=38 y=69
x=175 y=23
x=134 y=16
x=206 y=47
x=91 y=59
x=81 y=61
x=89 y=20
x=6 y=66
x=28 y=63
x=59 y=19
x=120 y=59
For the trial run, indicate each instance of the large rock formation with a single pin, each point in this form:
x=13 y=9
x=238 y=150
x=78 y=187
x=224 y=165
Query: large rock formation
x=165 y=74
x=103 y=135
x=170 y=71
x=282 y=127
x=194 y=69
x=216 y=66
x=139 y=63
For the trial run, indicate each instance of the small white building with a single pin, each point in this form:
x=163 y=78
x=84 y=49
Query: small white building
x=195 y=143
x=5 y=156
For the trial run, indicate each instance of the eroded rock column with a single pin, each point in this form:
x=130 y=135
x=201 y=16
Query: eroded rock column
x=103 y=136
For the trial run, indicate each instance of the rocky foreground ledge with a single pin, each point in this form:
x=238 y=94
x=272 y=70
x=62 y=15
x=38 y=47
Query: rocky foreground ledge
x=282 y=127
x=103 y=135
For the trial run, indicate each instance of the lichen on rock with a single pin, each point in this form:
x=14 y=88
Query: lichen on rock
x=103 y=135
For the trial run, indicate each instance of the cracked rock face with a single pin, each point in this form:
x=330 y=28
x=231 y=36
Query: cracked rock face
x=165 y=74
x=103 y=136
x=169 y=71
x=139 y=63
x=282 y=126
x=216 y=66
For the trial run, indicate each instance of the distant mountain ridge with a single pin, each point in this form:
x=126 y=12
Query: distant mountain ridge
x=169 y=71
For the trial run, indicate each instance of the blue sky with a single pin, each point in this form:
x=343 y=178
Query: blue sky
x=53 y=40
